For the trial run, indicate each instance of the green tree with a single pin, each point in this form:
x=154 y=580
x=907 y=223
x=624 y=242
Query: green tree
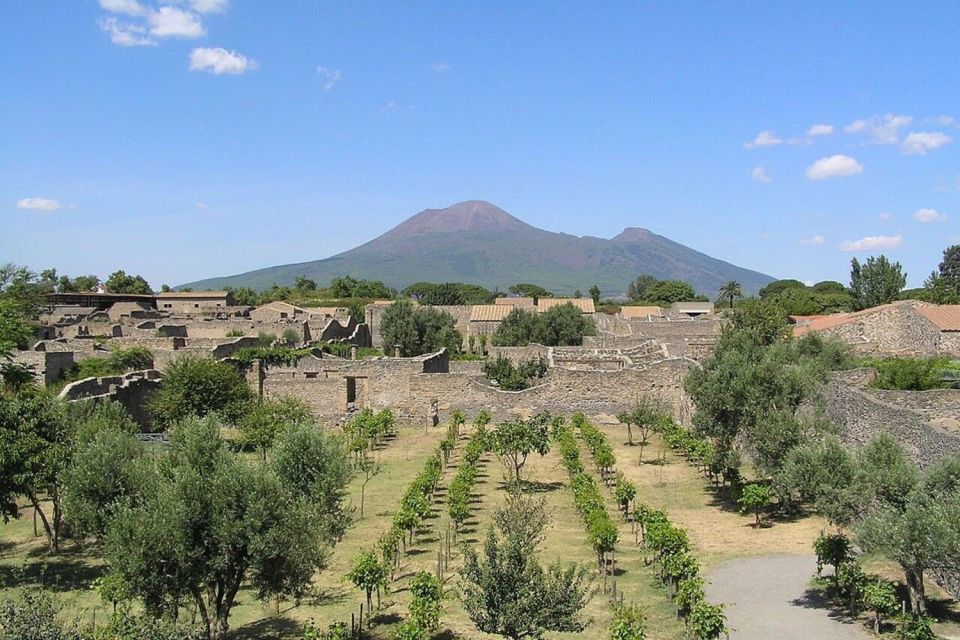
x=264 y=418
x=347 y=287
x=875 y=282
x=197 y=386
x=303 y=284
x=530 y=291
x=120 y=282
x=315 y=464
x=426 y=593
x=208 y=522
x=628 y=623
x=418 y=331
x=637 y=290
x=104 y=474
x=514 y=440
x=563 y=326
x=36 y=447
x=245 y=296
x=707 y=621
x=368 y=574
x=666 y=292
x=594 y=292
x=880 y=596
x=508 y=593
x=779 y=286
x=755 y=498
x=731 y=291
x=16 y=330
x=33 y=615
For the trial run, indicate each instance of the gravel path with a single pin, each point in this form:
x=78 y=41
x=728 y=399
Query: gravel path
x=767 y=597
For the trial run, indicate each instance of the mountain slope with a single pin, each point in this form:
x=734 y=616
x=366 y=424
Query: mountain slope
x=478 y=243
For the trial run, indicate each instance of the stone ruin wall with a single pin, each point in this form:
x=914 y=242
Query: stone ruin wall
x=408 y=386
x=896 y=330
x=132 y=390
x=926 y=423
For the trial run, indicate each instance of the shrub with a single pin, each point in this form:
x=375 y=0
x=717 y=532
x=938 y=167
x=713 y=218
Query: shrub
x=912 y=374
x=511 y=378
x=194 y=386
x=628 y=624
x=235 y=333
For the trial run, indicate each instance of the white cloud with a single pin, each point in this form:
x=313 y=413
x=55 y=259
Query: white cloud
x=929 y=215
x=886 y=217
x=39 y=204
x=219 y=61
x=869 y=243
x=919 y=142
x=759 y=174
x=168 y=22
x=946 y=121
x=200 y=205
x=763 y=139
x=820 y=130
x=881 y=129
x=834 y=167
x=390 y=106
x=817 y=239
x=208 y=6
x=126 y=7
x=330 y=77
x=440 y=67
x=126 y=34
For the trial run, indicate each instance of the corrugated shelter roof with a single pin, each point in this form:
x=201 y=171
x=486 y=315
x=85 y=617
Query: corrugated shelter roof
x=693 y=307
x=945 y=317
x=584 y=304
x=489 y=312
x=526 y=302
x=630 y=313
x=192 y=294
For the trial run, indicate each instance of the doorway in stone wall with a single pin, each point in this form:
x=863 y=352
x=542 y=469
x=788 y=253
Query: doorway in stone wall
x=351 y=392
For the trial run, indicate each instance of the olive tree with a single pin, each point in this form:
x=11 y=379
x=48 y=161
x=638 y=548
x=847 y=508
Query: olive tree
x=207 y=523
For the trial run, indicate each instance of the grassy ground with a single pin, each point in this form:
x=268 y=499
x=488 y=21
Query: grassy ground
x=717 y=530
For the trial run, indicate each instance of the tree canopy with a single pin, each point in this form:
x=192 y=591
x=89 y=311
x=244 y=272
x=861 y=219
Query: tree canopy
x=561 y=325
x=448 y=293
x=120 y=282
x=649 y=290
x=418 y=330
x=196 y=386
x=875 y=282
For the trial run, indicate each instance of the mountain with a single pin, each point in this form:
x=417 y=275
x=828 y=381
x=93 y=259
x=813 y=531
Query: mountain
x=479 y=243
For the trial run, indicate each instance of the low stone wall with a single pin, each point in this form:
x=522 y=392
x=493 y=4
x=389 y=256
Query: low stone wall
x=516 y=355
x=132 y=390
x=924 y=422
x=408 y=386
x=47 y=366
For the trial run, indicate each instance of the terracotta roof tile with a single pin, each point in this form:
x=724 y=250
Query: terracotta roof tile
x=628 y=313
x=526 y=302
x=489 y=312
x=584 y=304
x=945 y=317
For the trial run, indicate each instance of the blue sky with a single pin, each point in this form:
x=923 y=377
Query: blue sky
x=197 y=138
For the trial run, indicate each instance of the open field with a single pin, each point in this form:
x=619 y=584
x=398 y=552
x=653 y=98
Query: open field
x=718 y=532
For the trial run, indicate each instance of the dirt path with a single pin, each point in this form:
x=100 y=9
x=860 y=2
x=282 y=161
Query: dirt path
x=768 y=597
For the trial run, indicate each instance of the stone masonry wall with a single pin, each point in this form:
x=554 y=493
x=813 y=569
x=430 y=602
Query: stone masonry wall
x=924 y=422
x=132 y=390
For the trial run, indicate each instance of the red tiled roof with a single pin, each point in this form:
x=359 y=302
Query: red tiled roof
x=945 y=317
x=584 y=304
x=640 y=312
x=489 y=312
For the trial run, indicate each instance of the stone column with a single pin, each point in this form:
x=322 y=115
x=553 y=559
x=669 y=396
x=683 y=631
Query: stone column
x=396 y=351
x=353 y=352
